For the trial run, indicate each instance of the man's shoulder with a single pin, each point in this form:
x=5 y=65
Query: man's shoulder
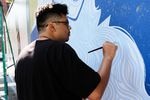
x=27 y=50
x=62 y=45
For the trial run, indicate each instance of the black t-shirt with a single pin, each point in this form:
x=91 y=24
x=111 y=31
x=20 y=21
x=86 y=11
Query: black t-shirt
x=50 y=70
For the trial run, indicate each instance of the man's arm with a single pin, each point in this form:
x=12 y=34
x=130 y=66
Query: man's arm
x=109 y=50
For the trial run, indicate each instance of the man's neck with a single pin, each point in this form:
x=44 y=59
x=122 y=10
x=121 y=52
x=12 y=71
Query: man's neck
x=44 y=36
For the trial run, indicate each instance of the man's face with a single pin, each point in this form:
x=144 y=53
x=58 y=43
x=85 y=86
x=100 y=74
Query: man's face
x=62 y=29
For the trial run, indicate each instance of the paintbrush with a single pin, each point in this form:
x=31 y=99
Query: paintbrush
x=95 y=49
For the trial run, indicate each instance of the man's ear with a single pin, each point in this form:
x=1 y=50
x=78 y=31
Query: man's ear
x=51 y=27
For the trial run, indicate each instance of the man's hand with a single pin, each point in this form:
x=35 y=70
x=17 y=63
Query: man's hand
x=109 y=50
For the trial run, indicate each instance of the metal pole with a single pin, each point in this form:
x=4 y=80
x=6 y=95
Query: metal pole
x=14 y=63
x=3 y=53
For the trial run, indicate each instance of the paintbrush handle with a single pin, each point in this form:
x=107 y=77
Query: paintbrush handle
x=95 y=49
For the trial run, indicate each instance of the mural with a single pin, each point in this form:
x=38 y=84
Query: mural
x=132 y=15
x=95 y=21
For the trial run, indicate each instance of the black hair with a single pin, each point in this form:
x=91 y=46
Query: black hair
x=49 y=11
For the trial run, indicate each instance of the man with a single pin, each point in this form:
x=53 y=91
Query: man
x=49 y=69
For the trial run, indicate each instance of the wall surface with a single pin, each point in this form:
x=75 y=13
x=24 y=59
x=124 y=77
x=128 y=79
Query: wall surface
x=132 y=15
x=125 y=22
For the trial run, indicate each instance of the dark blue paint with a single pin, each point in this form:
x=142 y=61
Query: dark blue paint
x=134 y=16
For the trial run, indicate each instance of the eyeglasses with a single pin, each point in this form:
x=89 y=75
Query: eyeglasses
x=64 y=22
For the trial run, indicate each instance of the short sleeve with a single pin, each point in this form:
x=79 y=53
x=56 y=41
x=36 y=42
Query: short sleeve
x=73 y=74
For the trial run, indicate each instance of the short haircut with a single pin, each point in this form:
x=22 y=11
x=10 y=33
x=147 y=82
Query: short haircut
x=49 y=11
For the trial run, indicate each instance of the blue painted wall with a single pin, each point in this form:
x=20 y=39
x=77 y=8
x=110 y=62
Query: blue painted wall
x=134 y=16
